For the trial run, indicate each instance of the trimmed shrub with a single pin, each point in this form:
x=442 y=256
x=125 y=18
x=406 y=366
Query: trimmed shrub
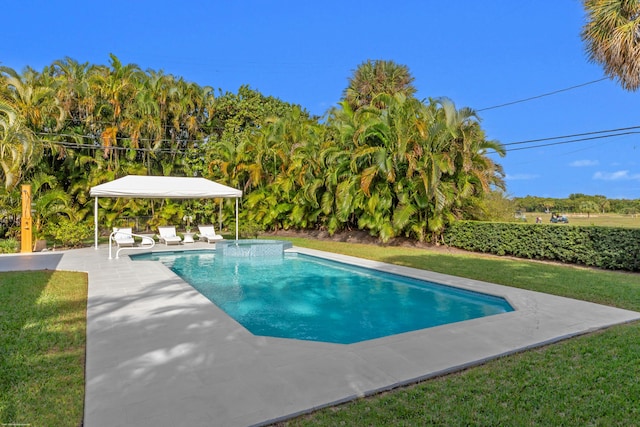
x=69 y=233
x=603 y=247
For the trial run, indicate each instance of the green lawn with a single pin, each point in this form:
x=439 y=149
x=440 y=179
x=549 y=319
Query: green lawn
x=42 y=348
x=605 y=220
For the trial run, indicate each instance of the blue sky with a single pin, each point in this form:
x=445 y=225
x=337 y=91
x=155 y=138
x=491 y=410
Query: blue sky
x=479 y=54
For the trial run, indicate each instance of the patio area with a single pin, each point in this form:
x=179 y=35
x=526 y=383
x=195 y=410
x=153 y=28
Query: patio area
x=161 y=354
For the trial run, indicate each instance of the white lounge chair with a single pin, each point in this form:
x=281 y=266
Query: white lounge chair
x=168 y=236
x=208 y=234
x=123 y=237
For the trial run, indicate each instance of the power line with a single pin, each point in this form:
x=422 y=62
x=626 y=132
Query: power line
x=542 y=95
x=96 y=137
x=96 y=146
x=572 y=135
x=94 y=141
x=572 y=141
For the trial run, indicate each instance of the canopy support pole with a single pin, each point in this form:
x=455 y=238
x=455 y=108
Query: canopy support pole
x=95 y=223
x=236 y=218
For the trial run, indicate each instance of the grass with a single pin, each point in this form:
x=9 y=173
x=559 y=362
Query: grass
x=42 y=347
x=605 y=220
x=590 y=380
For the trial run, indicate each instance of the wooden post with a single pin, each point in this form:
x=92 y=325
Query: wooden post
x=26 y=243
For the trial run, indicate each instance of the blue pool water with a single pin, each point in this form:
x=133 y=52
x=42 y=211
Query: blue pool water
x=302 y=297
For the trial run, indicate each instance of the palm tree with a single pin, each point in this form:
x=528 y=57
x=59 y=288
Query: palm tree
x=33 y=100
x=78 y=94
x=142 y=125
x=339 y=185
x=413 y=167
x=72 y=89
x=475 y=173
x=611 y=37
x=296 y=140
x=19 y=149
x=364 y=165
x=455 y=170
x=375 y=77
x=116 y=88
x=50 y=202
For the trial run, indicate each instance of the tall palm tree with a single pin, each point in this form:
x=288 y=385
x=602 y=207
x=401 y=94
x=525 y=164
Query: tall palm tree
x=116 y=87
x=375 y=77
x=80 y=136
x=612 y=37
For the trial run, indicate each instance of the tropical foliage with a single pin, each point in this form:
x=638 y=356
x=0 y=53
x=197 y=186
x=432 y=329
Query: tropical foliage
x=381 y=160
x=19 y=151
x=611 y=38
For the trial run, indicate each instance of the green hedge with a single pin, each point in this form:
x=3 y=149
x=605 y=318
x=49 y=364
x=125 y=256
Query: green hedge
x=603 y=247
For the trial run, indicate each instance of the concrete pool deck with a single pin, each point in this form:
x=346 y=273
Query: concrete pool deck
x=160 y=354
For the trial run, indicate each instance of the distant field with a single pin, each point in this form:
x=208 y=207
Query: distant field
x=606 y=220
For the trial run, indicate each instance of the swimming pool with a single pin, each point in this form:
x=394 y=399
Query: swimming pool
x=309 y=298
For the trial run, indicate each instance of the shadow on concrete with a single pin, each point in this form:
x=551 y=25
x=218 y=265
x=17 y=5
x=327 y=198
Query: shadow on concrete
x=142 y=342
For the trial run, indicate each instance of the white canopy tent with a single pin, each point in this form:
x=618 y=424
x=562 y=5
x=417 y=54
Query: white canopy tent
x=162 y=187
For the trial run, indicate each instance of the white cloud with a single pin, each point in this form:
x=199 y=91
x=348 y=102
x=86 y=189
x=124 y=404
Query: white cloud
x=583 y=163
x=520 y=177
x=622 y=175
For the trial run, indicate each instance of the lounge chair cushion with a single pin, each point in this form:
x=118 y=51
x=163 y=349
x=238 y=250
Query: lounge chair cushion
x=123 y=237
x=208 y=233
x=167 y=234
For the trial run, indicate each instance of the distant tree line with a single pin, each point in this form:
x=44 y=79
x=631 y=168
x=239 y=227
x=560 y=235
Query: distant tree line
x=578 y=203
